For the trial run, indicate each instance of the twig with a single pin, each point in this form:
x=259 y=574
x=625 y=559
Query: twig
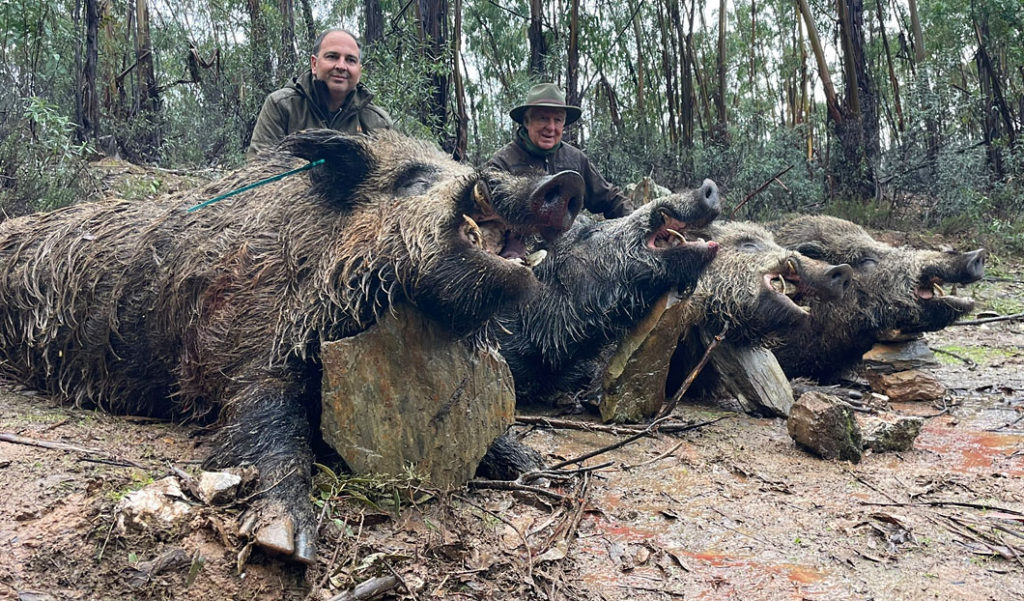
x=759 y=189
x=970 y=364
x=522 y=537
x=975 y=322
x=1007 y=424
x=625 y=441
x=946 y=504
x=60 y=446
x=246 y=499
x=563 y=474
x=671 y=405
x=566 y=424
x=368 y=589
x=658 y=458
x=872 y=487
x=510 y=485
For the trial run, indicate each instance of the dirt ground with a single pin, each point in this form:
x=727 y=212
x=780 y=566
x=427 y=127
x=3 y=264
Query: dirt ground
x=729 y=510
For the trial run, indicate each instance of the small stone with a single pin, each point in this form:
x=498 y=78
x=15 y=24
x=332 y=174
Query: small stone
x=822 y=424
x=217 y=488
x=889 y=431
x=159 y=506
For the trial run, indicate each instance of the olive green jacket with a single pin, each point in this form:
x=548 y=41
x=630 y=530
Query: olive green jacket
x=303 y=105
x=601 y=197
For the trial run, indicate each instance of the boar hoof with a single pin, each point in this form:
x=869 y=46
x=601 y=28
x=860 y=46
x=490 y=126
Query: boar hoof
x=276 y=533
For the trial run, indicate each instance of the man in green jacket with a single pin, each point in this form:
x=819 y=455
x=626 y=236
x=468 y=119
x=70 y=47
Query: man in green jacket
x=328 y=96
x=538 y=145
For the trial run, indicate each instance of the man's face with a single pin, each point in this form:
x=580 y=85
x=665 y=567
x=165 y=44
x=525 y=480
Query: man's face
x=338 y=64
x=544 y=126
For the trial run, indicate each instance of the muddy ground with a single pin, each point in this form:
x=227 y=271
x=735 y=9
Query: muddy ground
x=729 y=510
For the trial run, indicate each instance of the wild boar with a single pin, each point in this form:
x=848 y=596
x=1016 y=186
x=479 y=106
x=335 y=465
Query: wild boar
x=598 y=281
x=758 y=289
x=893 y=289
x=146 y=308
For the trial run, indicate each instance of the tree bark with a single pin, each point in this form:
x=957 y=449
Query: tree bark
x=461 y=117
x=288 y=57
x=374 y=30
x=572 y=78
x=434 y=28
x=538 y=45
x=720 y=134
x=915 y=28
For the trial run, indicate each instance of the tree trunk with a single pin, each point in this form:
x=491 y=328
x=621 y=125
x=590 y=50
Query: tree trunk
x=687 y=99
x=461 y=117
x=434 y=28
x=572 y=78
x=669 y=68
x=639 y=62
x=538 y=45
x=89 y=114
x=259 y=44
x=287 y=59
x=858 y=133
x=893 y=81
x=310 y=28
x=148 y=94
x=720 y=132
x=915 y=27
x=374 y=30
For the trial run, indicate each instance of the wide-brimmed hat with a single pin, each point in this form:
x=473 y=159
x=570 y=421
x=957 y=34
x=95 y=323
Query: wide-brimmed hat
x=547 y=95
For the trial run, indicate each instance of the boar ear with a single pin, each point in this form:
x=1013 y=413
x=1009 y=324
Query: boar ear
x=347 y=161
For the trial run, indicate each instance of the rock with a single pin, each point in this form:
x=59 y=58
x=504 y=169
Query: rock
x=158 y=507
x=910 y=385
x=406 y=393
x=888 y=357
x=753 y=376
x=634 y=381
x=823 y=425
x=888 y=431
x=217 y=488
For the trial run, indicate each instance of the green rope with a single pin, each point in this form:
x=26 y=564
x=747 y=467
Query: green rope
x=254 y=185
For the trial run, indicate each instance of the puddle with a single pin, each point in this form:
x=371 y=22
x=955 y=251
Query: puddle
x=973 y=451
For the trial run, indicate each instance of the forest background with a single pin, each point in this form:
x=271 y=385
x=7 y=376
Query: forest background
x=893 y=113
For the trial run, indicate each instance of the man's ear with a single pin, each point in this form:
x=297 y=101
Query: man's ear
x=347 y=161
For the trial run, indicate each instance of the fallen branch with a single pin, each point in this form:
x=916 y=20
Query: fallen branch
x=671 y=405
x=374 y=587
x=60 y=446
x=618 y=430
x=969 y=363
x=514 y=486
x=658 y=458
x=981 y=506
x=976 y=322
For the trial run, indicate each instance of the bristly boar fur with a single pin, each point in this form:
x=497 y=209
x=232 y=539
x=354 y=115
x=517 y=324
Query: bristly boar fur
x=756 y=291
x=144 y=308
x=600 y=279
x=894 y=290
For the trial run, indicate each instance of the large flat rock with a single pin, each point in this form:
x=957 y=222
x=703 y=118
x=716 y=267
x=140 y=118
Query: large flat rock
x=406 y=393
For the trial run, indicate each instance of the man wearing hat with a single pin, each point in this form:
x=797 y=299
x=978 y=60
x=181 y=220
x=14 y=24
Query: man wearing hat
x=538 y=145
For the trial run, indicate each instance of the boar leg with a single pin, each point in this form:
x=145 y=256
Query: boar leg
x=508 y=458
x=266 y=426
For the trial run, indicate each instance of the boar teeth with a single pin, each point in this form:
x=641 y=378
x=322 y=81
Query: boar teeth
x=938 y=289
x=791 y=266
x=778 y=284
x=675 y=238
x=472 y=231
x=788 y=287
x=535 y=259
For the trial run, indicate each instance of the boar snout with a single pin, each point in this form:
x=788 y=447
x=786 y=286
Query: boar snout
x=974 y=264
x=838 y=280
x=556 y=201
x=710 y=198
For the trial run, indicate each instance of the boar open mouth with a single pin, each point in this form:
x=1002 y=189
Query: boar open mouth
x=788 y=287
x=672 y=233
x=931 y=290
x=491 y=235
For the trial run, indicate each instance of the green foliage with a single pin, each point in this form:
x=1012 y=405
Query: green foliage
x=41 y=167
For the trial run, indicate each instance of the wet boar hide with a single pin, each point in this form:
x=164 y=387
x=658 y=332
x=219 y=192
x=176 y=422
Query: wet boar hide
x=894 y=290
x=599 y=280
x=144 y=308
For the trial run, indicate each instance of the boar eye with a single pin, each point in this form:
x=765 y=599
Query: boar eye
x=811 y=250
x=867 y=263
x=748 y=246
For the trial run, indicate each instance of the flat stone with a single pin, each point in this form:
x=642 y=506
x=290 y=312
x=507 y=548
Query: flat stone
x=406 y=393
x=887 y=431
x=634 y=381
x=906 y=386
x=888 y=357
x=821 y=424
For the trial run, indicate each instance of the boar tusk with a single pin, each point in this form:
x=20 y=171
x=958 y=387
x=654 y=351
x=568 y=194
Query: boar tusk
x=482 y=196
x=677 y=236
x=535 y=259
x=473 y=233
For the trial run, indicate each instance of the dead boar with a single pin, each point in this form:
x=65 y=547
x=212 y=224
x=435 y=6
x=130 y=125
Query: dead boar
x=145 y=308
x=599 y=280
x=757 y=291
x=894 y=290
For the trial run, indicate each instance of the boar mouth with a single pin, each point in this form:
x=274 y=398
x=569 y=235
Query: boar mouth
x=931 y=291
x=787 y=286
x=492 y=236
x=672 y=233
